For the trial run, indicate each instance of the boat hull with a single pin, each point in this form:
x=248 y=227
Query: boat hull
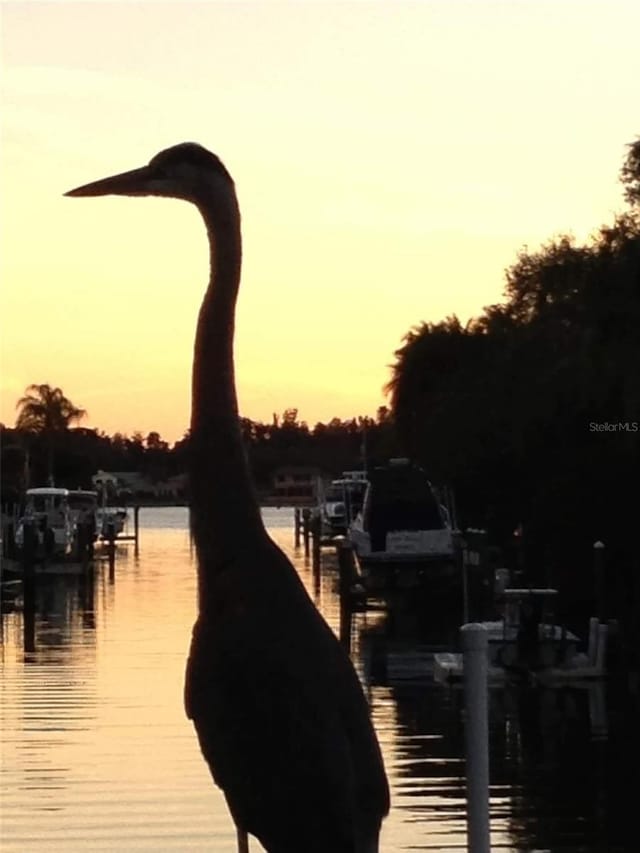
x=408 y=558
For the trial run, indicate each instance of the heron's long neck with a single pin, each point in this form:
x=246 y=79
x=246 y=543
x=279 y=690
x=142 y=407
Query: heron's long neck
x=225 y=511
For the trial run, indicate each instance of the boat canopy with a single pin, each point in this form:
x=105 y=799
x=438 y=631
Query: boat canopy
x=46 y=499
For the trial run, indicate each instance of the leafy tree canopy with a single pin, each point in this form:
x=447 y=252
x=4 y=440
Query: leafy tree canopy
x=46 y=409
x=507 y=408
x=630 y=173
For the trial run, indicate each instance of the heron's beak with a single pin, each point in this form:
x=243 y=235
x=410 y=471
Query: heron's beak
x=136 y=182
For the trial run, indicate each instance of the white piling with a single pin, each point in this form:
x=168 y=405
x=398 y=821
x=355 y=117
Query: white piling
x=474 y=639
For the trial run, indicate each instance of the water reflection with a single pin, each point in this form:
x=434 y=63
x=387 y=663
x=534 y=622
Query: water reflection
x=63 y=615
x=98 y=755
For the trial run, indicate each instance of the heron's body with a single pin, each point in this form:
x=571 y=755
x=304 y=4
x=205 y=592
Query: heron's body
x=280 y=714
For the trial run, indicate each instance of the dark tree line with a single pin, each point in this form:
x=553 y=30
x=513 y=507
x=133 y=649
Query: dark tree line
x=332 y=447
x=531 y=411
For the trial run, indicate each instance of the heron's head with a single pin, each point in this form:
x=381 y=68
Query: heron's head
x=184 y=171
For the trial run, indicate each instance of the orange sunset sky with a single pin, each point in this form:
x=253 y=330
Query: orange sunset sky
x=391 y=159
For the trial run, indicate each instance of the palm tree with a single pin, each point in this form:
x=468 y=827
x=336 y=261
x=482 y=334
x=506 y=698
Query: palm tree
x=47 y=412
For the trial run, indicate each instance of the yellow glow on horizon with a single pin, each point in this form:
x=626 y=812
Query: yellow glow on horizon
x=390 y=159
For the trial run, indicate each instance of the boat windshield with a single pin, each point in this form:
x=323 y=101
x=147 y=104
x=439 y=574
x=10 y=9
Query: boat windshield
x=82 y=501
x=43 y=503
x=403 y=499
x=333 y=494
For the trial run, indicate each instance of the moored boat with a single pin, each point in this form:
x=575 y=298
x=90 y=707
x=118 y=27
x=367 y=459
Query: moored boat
x=402 y=535
x=341 y=501
x=527 y=642
x=47 y=509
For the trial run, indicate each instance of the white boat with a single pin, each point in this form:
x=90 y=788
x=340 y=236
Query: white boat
x=48 y=510
x=526 y=641
x=110 y=521
x=341 y=501
x=402 y=534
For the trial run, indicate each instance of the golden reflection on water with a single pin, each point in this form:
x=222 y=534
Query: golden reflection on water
x=98 y=755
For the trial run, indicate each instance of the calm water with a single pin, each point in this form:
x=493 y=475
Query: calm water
x=97 y=754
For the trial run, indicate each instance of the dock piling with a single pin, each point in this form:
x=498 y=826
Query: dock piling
x=346 y=566
x=601 y=651
x=297 y=526
x=111 y=549
x=29 y=549
x=136 y=529
x=83 y=538
x=306 y=519
x=347 y=579
x=316 y=534
x=9 y=540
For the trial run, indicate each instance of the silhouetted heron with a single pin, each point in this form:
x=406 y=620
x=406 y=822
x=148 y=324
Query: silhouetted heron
x=280 y=713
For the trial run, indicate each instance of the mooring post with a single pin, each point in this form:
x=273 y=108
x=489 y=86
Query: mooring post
x=315 y=552
x=592 y=641
x=306 y=518
x=347 y=578
x=598 y=578
x=601 y=650
x=136 y=528
x=344 y=552
x=346 y=616
x=111 y=549
x=82 y=542
x=29 y=548
x=518 y=542
x=297 y=526
x=316 y=533
x=598 y=711
x=501 y=581
x=9 y=540
x=474 y=638
x=92 y=537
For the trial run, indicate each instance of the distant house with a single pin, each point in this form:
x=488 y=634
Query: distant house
x=121 y=483
x=132 y=484
x=173 y=488
x=295 y=485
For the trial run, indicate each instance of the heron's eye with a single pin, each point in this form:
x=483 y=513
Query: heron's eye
x=160 y=170
x=160 y=166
